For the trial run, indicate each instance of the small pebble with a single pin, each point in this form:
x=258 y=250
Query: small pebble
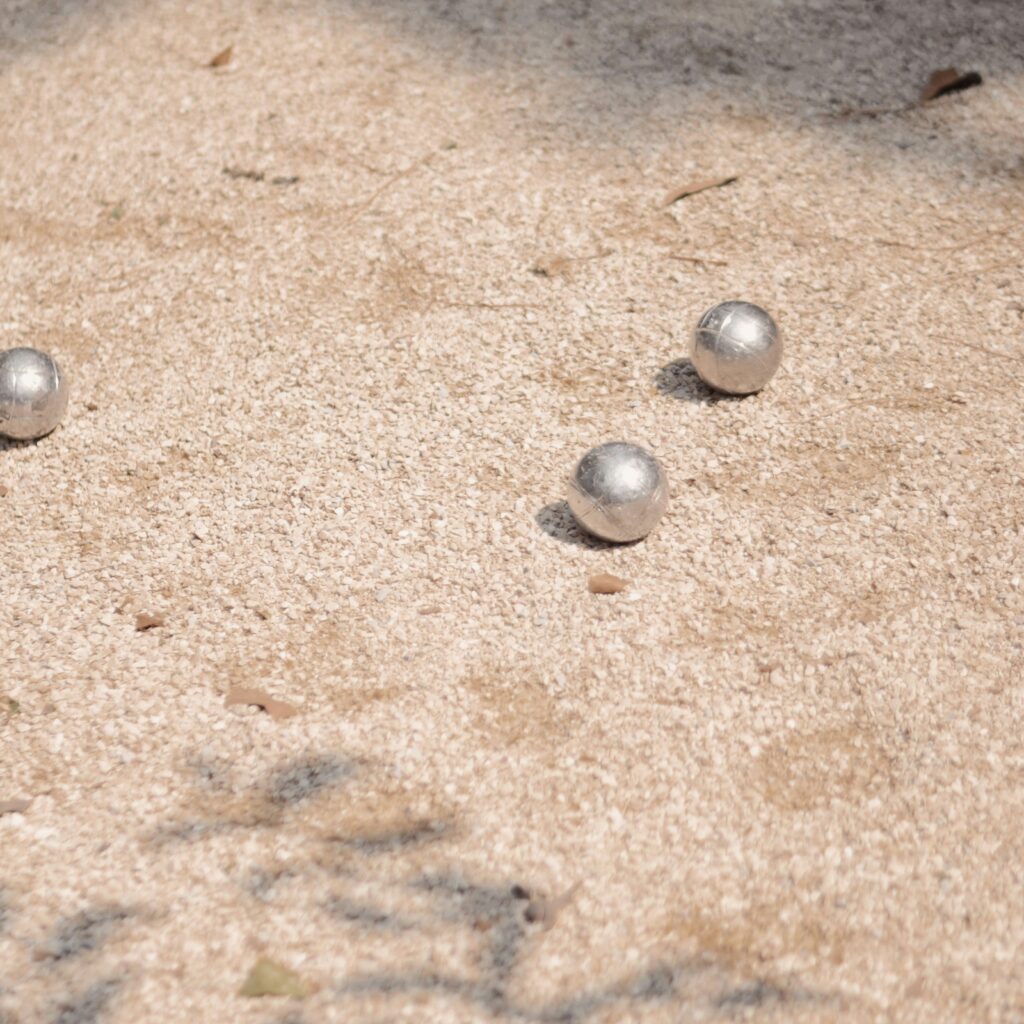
x=148 y=620
x=606 y=583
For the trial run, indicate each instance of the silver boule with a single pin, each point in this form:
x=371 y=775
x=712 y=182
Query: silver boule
x=33 y=393
x=736 y=348
x=618 y=492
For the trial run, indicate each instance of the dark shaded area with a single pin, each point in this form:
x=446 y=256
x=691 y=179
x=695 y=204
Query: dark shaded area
x=304 y=779
x=87 y=1007
x=240 y=173
x=499 y=915
x=393 y=840
x=287 y=786
x=85 y=932
x=9 y=443
x=623 y=60
x=412 y=981
x=556 y=520
x=193 y=831
x=617 y=63
x=759 y=993
x=660 y=983
x=497 y=912
x=679 y=380
x=212 y=774
x=365 y=915
x=657 y=984
x=261 y=882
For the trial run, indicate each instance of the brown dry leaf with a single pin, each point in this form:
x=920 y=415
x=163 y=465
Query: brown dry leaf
x=693 y=187
x=947 y=80
x=148 y=620
x=548 y=266
x=277 y=709
x=222 y=59
x=14 y=806
x=606 y=583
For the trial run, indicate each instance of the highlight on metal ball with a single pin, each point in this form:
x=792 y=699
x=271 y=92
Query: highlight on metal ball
x=33 y=393
x=618 y=492
x=736 y=348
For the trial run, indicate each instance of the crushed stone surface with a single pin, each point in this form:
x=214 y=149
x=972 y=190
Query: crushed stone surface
x=321 y=418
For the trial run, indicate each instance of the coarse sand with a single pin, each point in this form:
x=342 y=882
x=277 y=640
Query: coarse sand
x=340 y=314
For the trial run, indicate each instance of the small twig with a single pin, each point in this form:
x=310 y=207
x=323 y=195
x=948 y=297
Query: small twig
x=490 y=305
x=696 y=259
x=362 y=208
x=941 y=83
x=876 y=111
x=991 y=351
x=967 y=271
x=278 y=709
x=958 y=247
x=846 y=408
x=905 y=405
x=697 y=186
x=553 y=266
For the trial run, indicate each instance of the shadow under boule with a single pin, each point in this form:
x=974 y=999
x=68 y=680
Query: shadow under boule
x=556 y=520
x=679 y=380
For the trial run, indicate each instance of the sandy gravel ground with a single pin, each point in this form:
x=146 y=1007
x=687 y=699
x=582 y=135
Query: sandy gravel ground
x=340 y=314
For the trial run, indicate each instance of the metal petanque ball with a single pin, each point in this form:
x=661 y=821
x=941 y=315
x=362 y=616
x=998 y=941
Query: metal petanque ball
x=33 y=393
x=736 y=348
x=618 y=492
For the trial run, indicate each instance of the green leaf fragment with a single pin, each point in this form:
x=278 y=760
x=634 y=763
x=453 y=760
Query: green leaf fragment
x=267 y=978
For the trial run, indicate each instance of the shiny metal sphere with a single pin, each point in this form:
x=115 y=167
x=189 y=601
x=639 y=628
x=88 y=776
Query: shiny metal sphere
x=618 y=492
x=33 y=393
x=736 y=348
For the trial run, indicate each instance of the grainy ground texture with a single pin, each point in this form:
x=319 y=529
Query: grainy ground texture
x=340 y=314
